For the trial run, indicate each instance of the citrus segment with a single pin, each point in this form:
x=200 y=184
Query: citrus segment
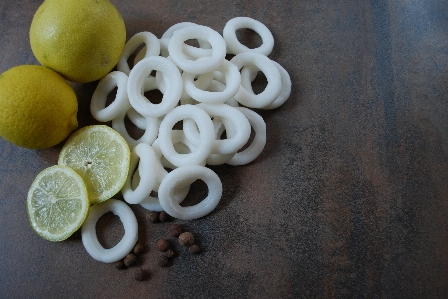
x=101 y=157
x=57 y=203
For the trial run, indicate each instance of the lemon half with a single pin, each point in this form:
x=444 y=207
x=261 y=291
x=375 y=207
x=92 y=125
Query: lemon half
x=57 y=203
x=101 y=157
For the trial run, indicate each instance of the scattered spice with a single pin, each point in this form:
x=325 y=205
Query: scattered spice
x=195 y=249
x=163 y=245
x=186 y=239
x=170 y=253
x=153 y=217
x=138 y=248
x=130 y=260
x=164 y=217
x=175 y=230
x=163 y=261
x=140 y=274
x=119 y=265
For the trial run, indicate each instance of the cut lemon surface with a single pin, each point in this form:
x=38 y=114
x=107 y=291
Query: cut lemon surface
x=101 y=157
x=57 y=203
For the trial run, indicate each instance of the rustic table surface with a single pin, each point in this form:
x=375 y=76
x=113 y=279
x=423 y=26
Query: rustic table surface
x=349 y=198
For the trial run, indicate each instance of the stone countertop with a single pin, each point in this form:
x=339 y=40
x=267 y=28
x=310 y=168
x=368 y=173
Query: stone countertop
x=349 y=198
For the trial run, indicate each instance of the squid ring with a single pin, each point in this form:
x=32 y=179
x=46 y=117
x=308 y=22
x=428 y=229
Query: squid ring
x=190 y=173
x=235 y=47
x=90 y=239
x=98 y=107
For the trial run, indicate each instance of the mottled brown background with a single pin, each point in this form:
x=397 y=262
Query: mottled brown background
x=349 y=199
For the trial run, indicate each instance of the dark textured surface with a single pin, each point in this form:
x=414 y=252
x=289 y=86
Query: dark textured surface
x=349 y=199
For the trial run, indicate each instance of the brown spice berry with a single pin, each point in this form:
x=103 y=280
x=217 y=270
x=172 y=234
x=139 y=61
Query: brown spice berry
x=163 y=261
x=163 y=245
x=119 y=265
x=140 y=274
x=170 y=253
x=153 y=217
x=175 y=230
x=138 y=248
x=130 y=260
x=195 y=249
x=186 y=239
x=164 y=217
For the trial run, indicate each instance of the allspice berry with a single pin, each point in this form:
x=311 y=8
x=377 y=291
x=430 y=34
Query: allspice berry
x=175 y=230
x=164 y=217
x=163 y=245
x=186 y=239
x=140 y=274
x=130 y=260
x=119 y=265
x=138 y=248
x=163 y=261
x=170 y=253
x=153 y=217
x=195 y=249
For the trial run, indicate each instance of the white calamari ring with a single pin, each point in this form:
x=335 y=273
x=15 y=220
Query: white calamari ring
x=248 y=74
x=151 y=130
x=230 y=115
x=152 y=48
x=256 y=147
x=206 y=136
x=232 y=85
x=192 y=172
x=203 y=64
x=136 y=81
x=142 y=156
x=267 y=66
x=234 y=45
x=90 y=239
x=98 y=107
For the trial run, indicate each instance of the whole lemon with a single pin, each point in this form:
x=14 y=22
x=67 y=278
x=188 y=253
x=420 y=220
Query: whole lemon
x=38 y=107
x=80 y=39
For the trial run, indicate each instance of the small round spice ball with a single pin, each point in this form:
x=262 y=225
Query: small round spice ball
x=164 y=217
x=163 y=245
x=153 y=217
x=170 y=253
x=175 y=230
x=186 y=239
x=140 y=274
x=138 y=248
x=195 y=249
x=163 y=261
x=130 y=260
x=119 y=265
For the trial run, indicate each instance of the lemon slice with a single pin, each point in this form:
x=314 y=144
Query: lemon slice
x=101 y=157
x=57 y=203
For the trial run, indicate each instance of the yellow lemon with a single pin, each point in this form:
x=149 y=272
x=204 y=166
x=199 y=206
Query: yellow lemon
x=38 y=107
x=82 y=40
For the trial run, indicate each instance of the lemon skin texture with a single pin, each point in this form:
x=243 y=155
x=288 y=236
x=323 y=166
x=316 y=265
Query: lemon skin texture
x=80 y=39
x=38 y=107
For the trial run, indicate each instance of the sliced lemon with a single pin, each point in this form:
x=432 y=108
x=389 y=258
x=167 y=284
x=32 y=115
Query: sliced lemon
x=101 y=157
x=57 y=203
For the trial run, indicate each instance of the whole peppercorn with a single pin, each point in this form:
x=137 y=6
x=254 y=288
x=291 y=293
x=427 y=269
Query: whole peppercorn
x=195 y=249
x=130 y=260
x=163 y=245
x=186 y=239
x=164 y=217
x=140 y=274
x=170 y=253
x=163 y=261
x=138 y=248
x=175 y=230
x=153 y=217
x=119 y=265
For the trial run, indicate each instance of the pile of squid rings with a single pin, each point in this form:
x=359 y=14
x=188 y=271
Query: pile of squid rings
x=204 y=91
